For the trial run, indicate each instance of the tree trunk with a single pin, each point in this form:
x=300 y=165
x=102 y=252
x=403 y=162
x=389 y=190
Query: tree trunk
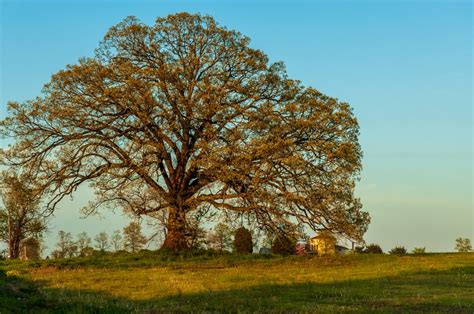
x=14 y=247
x=176 y=236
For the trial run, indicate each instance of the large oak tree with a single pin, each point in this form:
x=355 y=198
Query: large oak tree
x=185 y=114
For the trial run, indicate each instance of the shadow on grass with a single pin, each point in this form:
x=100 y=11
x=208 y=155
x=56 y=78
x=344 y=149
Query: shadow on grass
x=432 y=291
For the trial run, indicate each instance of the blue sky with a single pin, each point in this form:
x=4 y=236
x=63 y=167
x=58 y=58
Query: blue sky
x=404 y=66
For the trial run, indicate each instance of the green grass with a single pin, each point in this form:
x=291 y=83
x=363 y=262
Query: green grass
x=207 y=282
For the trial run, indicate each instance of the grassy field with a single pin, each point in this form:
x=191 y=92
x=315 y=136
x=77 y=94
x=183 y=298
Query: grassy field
x=153 y=282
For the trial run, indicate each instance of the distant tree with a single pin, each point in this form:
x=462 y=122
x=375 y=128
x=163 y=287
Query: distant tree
x=373 y=249
x=83 y=243
x=195 y=235
x=102 y=241
x=398 y=250
x=418 y=250
x=65 y=247
x=20 y=216
x=243 y=241
x=116 y=240
x=463 y=245
x=185 y=113
x=283 y=245
x=221 y=237
x=133 y=239
x=56 y=254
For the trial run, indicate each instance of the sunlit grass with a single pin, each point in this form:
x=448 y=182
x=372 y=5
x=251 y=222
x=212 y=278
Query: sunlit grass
x=432 y=282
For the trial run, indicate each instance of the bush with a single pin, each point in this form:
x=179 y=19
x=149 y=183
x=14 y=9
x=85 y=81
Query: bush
x=398 y=250
x=419 y=250
x=283 y=245
x=243 y=241
x=373 y=249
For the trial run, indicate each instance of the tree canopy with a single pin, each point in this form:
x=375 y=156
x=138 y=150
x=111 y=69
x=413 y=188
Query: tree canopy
x=21 y=216
x=184 y=114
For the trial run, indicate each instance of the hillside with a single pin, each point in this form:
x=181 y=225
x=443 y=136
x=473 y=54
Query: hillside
x=154 y=282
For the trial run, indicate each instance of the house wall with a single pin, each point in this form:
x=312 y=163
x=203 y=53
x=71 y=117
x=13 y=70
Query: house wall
x=323 y=246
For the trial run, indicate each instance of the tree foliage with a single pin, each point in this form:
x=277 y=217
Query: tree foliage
x=398 y=250
x=184 y=114
x=463 y=245
x=373 y=249
x=116 y=240
x=418 y=250
x=283 y=245
x=133 y=239
x=65 y=247
x=102 y=241
x=243 y=241
x=220 y=238
x=20 y=216
x=83 y=243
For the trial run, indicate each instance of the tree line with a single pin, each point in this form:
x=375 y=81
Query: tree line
x=131 y=239
x=220 y=238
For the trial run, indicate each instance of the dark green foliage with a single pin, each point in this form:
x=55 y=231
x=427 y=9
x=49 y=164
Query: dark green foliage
x=283 y=245
x=463 y=245
x=373 y=249
x=243 y=241
x=419 y=250
x=398 y=250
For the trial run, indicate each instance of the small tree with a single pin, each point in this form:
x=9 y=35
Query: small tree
x=133 y=239
x=418 y=250
x=283 y=245
x=65 y=247
x=102 y=241
x=20 y=215
x=243 y=241
x=463 y=245
x=398 y=250
x=221 y=237
x=196 y=235
x=373 y=249
x=116 y=240
x=83 y=243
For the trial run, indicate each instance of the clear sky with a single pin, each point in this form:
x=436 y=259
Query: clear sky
x=404 y=66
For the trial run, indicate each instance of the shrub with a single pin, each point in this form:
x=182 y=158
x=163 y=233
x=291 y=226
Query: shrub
x=283 y=245
x=373 y=249
x=398 y=250
x=419 y=250
x=359 y=249
x=243 y=241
